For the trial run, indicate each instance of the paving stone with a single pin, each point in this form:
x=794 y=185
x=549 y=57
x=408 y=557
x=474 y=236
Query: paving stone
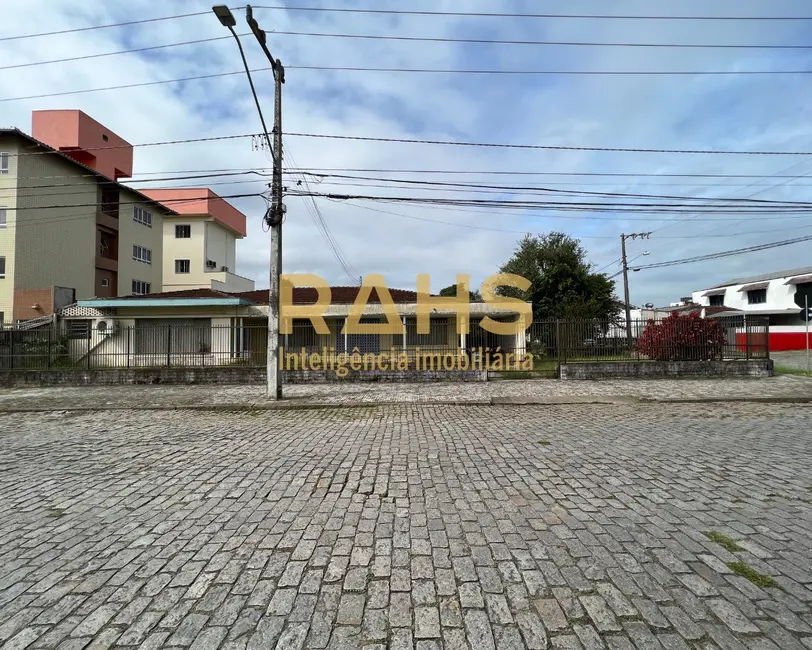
x=419 y=526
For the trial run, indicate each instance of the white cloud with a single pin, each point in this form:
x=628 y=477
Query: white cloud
x=748 y=112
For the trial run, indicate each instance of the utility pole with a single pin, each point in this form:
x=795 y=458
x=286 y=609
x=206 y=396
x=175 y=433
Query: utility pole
x=626 y=300
x=274 y=217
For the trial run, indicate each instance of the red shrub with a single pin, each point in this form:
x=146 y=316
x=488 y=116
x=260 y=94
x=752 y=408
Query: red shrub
x=681 y=338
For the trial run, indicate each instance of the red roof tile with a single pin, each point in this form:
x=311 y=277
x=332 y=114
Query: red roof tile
x=301 y=295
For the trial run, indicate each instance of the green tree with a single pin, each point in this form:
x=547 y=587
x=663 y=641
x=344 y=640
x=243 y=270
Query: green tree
x=452 y=292
x=562 y=284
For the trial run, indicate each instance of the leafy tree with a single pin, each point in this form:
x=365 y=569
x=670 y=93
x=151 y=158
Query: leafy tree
x=451 y=291
x=562 y=284
x=683 y=337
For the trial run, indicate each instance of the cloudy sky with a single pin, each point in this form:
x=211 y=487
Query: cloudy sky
x=740 y=112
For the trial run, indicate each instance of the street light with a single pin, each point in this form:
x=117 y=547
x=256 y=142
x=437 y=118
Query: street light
x=224 y=15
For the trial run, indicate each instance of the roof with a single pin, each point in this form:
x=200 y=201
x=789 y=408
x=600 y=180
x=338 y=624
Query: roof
x=301 y=296
x=201 y=201
x=766 y=277
x=21 y=134
x=755 y=286
x=801 y=279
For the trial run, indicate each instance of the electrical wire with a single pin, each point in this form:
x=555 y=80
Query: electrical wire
x=85 y=57
x=108 y=26
x=441 y=39
x=714 y=256
x=402 y=12
x=324 y=230
x=328 y=68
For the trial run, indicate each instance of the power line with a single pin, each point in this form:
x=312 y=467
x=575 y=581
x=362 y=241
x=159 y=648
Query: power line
x=440 y=39
x=93 y=27
x=127 y=146
x=144 y=202
x=324 y=230
x=739 y=251
x=116 y=53
x=423 y=184
x=549 y=147
x=424 y=71
x=401 y=12
x=789 y=213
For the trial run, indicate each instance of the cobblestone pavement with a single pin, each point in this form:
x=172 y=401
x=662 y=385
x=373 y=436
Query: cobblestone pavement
x=408 y=527
x=784 y=386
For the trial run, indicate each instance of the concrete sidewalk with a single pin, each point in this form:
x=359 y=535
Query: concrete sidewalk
x=777 y=389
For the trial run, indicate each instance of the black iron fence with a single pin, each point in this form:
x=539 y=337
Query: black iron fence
x=543 y=346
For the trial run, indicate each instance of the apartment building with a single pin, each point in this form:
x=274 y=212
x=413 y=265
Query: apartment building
x=68 y=229
x=200 y=241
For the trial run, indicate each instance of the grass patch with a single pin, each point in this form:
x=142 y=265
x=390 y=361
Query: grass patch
x=723 y=540
x=746 y=571
x=544 y=443
x=792 y=371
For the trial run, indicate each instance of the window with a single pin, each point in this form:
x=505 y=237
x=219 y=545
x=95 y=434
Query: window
x=142 y=254
x=78 y=330
x=141 y=288
x=142 y=216
x=172 y=336
x=438 y=335
x=104 y=137
x=3 y=162
x=757 y=297
x=2 y=267
x=717 y=301
x=3 y=217
x=105 y=282
x=109 y=201
x=183 y=266
x=183 y=232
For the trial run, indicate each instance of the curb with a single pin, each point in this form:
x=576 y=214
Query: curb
x=608 y=400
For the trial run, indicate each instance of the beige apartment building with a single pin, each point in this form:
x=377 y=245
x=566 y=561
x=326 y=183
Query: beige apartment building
x=200 y=241
x=68 y=229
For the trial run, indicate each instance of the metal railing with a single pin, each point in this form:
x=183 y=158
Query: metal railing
x=82 y=344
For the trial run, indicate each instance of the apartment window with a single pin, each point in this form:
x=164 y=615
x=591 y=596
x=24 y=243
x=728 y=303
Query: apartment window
x=3 y=162
x=183 y=266
x=142 y=216
x=105 y=282
x=3 y=217
x=717 y=301
x=78 y=330
x=142 y=254
x=757 y=297
x=141 y=288
x=2 y=267
x=110 y=201
x=183 y=232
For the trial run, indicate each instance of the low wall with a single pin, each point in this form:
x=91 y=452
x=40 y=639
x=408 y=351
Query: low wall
x=666 y=369
x=217 y=375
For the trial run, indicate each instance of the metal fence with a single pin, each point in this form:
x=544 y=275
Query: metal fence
x=542 y=347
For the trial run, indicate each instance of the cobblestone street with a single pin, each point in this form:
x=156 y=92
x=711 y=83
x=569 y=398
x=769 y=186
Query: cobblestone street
x=660 y=526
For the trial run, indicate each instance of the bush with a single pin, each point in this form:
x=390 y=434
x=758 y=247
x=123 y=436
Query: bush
x=683 y=338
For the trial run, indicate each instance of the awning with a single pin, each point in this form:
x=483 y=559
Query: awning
x=755 y=286
x=800 y=279
x=715 y=292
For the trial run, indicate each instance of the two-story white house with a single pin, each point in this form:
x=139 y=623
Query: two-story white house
x=778 y=295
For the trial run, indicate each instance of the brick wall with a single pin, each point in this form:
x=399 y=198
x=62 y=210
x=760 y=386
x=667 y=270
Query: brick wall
x=25 y=299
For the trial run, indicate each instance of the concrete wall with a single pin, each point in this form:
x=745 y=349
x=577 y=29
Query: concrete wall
x=132 y=232
x=8 y=200
x=191 y=249
x=665 y=369
x=55 y=243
